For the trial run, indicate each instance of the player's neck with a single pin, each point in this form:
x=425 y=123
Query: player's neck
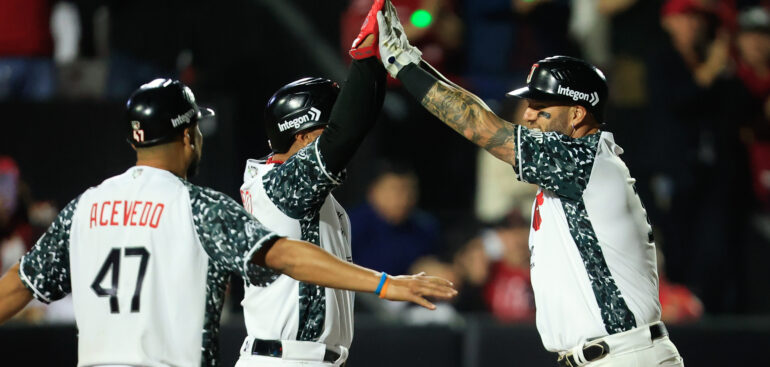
x=162 y=159
x=167 y=166
x=283 y=157
x=585 y=131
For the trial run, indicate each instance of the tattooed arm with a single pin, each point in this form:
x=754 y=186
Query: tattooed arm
x=462 y=111
x=468 y=115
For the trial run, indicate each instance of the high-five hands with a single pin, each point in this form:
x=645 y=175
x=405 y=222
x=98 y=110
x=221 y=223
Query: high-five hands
x=395 y=50
x=360 y=49
x=390 y=44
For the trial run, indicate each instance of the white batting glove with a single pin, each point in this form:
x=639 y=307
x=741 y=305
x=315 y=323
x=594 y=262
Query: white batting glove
x=395 y=50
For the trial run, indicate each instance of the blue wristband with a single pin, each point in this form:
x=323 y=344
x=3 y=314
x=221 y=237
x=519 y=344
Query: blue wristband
x=383 y=278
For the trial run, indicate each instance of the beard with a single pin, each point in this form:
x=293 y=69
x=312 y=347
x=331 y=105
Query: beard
x=192 y=169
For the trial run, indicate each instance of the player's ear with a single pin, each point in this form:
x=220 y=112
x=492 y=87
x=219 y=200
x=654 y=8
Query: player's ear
x=187 y=136
x=303 y=136
x=578 y=114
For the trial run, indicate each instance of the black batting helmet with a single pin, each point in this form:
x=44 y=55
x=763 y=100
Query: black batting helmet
x=159 y=110
x=298 y=106
x=568 y=79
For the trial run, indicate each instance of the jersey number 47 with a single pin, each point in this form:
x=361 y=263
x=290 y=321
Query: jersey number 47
x=112 y=264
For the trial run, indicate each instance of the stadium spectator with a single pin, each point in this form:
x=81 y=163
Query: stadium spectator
x=678 y=304
x=27 y=70
x=753 y=69
x=471 y=264
x=700 y=167
x=22 y=222
x=635 y=33
x=508 y=291
x=466 y=263
x=504 y=36
x=390 y=232
x=681 y=76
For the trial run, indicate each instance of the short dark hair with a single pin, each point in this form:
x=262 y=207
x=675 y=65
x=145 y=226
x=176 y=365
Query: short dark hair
x=385 y=167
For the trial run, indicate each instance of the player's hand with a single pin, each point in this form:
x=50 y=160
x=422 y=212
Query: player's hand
x=364 y=46
x=395 y=50
x=415 y=288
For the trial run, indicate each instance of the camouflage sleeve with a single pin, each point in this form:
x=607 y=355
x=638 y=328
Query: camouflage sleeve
x=300 y=185
x=229 y=234
x=45 y=269
x=555 y=162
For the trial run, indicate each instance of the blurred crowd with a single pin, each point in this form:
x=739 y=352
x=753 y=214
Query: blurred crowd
x=690 y=104
x=23 y=219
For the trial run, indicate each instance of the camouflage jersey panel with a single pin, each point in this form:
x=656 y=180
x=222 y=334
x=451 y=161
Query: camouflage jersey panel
x=616 y=315
x=230 y=236
x=554 y=161
x=45 y=269
x=563 y=165
x=299 y=188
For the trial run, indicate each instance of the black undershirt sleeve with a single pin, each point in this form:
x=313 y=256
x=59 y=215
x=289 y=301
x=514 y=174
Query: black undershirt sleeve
x=416 y=80
x=354 y=113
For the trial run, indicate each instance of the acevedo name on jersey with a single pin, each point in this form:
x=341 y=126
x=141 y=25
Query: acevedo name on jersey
x=126 y=213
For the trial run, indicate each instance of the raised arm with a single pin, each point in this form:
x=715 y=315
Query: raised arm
x=354 y=113
x=359 y=102
x=461 y=110
x=465 y=113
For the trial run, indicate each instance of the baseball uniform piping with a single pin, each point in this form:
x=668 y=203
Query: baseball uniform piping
x=30 y=285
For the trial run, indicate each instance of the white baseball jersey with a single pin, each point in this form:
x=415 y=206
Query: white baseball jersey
x=294 y=200
x=146 y=256
x=592 y=255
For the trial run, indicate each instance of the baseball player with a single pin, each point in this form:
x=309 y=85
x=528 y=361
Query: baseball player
x=146 y=254
x=313 y=130
x=592 y=254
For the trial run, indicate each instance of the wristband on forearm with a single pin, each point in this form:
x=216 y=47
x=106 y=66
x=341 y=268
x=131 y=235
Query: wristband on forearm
x=416 y=80
x=383 y=286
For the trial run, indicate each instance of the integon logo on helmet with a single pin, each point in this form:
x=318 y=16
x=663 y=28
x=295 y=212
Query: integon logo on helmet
x=592 y=98
x=183 y=118
x=312 y=115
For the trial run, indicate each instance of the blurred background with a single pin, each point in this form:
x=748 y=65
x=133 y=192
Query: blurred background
x=689 y=103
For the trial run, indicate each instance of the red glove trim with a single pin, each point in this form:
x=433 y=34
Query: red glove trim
x=368 y=28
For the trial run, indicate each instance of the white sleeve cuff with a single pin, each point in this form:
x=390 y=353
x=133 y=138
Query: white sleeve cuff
x=323 y=167
x=28 y=283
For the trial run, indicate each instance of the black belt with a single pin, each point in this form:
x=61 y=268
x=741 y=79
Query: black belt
x=596 y=351
x=274 y=348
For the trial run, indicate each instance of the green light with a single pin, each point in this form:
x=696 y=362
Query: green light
x=421 y=18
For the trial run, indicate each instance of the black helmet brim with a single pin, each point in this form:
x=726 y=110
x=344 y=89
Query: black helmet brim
x=206 y=112
x=534 y=94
